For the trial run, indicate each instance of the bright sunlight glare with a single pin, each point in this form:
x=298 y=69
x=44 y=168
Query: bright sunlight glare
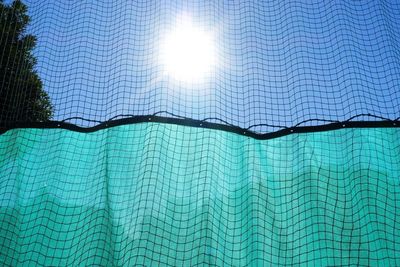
x=188 y=54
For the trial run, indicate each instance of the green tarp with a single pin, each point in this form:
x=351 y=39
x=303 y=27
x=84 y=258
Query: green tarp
x=157 y=194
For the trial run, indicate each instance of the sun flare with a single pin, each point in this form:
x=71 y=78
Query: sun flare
x=188 y=53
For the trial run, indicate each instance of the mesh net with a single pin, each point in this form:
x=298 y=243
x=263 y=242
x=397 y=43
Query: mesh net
x=277 y=64
x=170 y=194
x=156 y=194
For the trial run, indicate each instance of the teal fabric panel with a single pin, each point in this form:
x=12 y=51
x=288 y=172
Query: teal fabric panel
x=167 y=195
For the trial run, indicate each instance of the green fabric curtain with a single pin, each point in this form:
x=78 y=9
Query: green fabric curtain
x=157 y=194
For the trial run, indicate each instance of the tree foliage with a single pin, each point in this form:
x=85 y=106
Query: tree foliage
x=22 y=97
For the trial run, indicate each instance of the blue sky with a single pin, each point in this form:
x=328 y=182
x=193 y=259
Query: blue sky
x=280 y=63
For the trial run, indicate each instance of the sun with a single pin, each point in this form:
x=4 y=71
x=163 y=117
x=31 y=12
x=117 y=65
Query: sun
x=188 y=53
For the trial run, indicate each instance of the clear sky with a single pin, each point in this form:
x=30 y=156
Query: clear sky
x=278 y=62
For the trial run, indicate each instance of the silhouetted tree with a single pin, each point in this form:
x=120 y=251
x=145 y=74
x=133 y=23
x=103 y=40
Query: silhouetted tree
x=22 y=97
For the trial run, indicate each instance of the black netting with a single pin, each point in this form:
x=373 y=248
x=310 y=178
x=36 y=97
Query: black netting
x=130 y=133
x=277 y=63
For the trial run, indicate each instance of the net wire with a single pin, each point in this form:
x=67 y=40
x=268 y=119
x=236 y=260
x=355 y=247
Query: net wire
x=152 y=193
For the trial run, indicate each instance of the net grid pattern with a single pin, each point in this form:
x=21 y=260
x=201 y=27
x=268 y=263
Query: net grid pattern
x=280 y=64
x=169 y=194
